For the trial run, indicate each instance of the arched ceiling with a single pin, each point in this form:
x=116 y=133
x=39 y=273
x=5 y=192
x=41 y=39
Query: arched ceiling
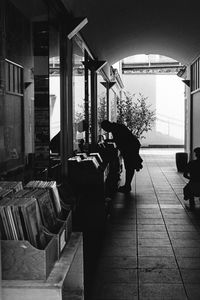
x=117 y=29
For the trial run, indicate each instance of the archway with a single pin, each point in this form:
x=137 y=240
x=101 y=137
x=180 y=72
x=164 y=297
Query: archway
x=154 y=77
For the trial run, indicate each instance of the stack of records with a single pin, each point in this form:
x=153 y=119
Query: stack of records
x=9 y=187
x=5 y=192
x=74 y=160
x=54 y=194
x=20 y=220
x=15 y=186
x=111 y=145
x=46 y=207
x=82 y=155
x=90 y=163
x=97 y=156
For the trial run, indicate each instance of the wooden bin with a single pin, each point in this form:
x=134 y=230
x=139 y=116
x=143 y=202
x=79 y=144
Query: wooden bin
x=22 y=261
x=64 y=232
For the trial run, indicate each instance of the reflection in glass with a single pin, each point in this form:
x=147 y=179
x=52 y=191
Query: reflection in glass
x=113 y=106
x=54 y=81
x=78 y=81
x=101 y=103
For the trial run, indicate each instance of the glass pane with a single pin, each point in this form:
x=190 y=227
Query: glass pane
x=113 y=106
x=54 y=81
x=78 y=81
x=101 y=103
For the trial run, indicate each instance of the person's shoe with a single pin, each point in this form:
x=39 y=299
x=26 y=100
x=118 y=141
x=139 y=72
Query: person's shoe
x=124 y=189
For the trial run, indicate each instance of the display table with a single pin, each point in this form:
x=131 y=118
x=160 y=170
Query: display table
x=65 y=281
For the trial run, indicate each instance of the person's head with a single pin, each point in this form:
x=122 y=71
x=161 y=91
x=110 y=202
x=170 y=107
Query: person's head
x=106 y=125
x=197 y=152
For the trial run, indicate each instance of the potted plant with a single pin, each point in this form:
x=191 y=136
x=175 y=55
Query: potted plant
x=135 y=113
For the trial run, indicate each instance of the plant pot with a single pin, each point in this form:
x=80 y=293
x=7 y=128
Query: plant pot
x=181 y=161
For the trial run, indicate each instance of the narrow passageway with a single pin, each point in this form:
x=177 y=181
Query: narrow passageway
x=151 y=248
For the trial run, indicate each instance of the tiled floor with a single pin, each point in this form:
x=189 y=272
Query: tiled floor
x=151 y=246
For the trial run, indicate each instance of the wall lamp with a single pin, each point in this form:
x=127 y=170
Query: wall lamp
x=181 y=72
x=27 y=83
x=94 y=65
x=187 y=82
x=75 y=25
x=108 y=84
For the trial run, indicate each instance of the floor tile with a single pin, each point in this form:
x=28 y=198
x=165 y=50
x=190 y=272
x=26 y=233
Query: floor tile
x=193 y=291
x=159 y=276
x=149 y=216
x=144 y=227
x=118 y=276
x=174 y=221
x=167 y=262
x=120 y=234
x=160 y=242
x=162 y=291
x=152 y=235
x=170 y=206
x=191 y=276
x=188 y=262
x=147 y=206
x=148 y=221
x=187 y=251
x=118 y=251
x=118 y=262
x=120 y=242
x=185 y=243
x=124 y=227
x=117 y=291
x=184 y=235
x=123 y=222
x=183 y=227
x=153 y=251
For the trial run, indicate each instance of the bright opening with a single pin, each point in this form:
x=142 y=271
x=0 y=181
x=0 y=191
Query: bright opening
x=155 y=77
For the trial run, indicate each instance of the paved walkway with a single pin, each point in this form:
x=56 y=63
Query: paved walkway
x=151 y=247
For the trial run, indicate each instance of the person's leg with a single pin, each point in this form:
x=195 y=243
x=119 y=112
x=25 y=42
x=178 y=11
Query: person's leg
x=128 y=176
x=192 y=202
x=187 y=192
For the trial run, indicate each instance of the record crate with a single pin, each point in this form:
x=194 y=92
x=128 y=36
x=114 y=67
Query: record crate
x=64 y=231
x=22 y=261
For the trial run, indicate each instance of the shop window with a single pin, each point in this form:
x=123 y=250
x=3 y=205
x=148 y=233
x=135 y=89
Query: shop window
x=54 y=80
x=195 y=74
x=78 y=82
x=112 y=105
x=12 y=130
x=101 y=103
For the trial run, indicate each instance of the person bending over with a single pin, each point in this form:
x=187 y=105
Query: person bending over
x=129 y=146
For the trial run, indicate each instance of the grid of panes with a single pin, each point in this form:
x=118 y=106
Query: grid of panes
x=14 y=78
x=195 y=75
